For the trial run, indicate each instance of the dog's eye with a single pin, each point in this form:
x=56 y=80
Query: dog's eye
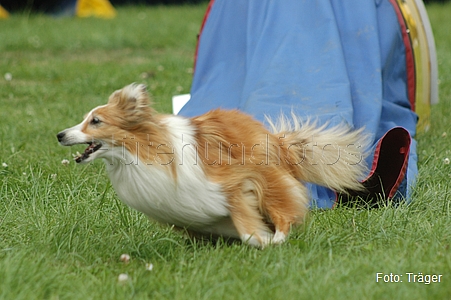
x=95 y=120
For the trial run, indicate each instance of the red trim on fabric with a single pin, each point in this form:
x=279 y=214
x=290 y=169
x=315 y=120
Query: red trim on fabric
x=373 y=167
x=389 y=166
x=207 y=14
x=390 y=158
x=372 y=170
x=410 y=59
x=377 y=152
x=405 y=152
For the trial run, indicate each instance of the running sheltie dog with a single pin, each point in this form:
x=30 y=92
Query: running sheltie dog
x=218 y=174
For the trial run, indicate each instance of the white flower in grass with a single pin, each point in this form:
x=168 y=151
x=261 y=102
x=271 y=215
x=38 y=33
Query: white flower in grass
x=24 y=174
x=53 y=176
x=8 y=76
x=65 y=162
x=4 y=165
x=122 y=277
x=149 y=267
x=446 y=161
x=125 y=258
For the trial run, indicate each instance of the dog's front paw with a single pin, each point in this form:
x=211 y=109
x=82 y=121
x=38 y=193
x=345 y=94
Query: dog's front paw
x=258 y=240
x=264 y=239
x=279 y=237
x=251 y=239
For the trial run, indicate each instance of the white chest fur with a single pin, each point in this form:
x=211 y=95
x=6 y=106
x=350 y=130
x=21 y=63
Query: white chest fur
x=190 y=201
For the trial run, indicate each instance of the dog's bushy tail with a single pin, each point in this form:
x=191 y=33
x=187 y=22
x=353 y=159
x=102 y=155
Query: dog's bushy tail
x=333 y=157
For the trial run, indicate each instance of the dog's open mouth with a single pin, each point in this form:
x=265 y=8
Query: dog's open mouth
x=92 y=147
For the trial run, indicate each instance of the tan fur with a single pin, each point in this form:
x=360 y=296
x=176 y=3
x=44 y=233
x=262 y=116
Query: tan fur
x=131 y=122
x=252 y=172
x=331 y=157
x=261 y=173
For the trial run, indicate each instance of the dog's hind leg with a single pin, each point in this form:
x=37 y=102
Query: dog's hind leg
x=246 y=215
x=286 y=205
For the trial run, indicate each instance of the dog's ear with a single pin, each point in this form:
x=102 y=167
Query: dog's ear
x=133 y=97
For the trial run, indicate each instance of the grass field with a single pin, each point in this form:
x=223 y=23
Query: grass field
x=63 y=230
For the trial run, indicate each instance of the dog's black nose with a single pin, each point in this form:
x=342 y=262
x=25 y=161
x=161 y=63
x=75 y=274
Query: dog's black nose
x=60 y=136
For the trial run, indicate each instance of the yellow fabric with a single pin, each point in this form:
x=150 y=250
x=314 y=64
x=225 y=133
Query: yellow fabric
x=94 y=8
x=422 y=62
x=3 y=13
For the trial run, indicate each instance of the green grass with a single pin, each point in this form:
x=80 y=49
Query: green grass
x=62 y=228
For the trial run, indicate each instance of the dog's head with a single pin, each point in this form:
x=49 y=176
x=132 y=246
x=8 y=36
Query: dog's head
x=107 y=126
